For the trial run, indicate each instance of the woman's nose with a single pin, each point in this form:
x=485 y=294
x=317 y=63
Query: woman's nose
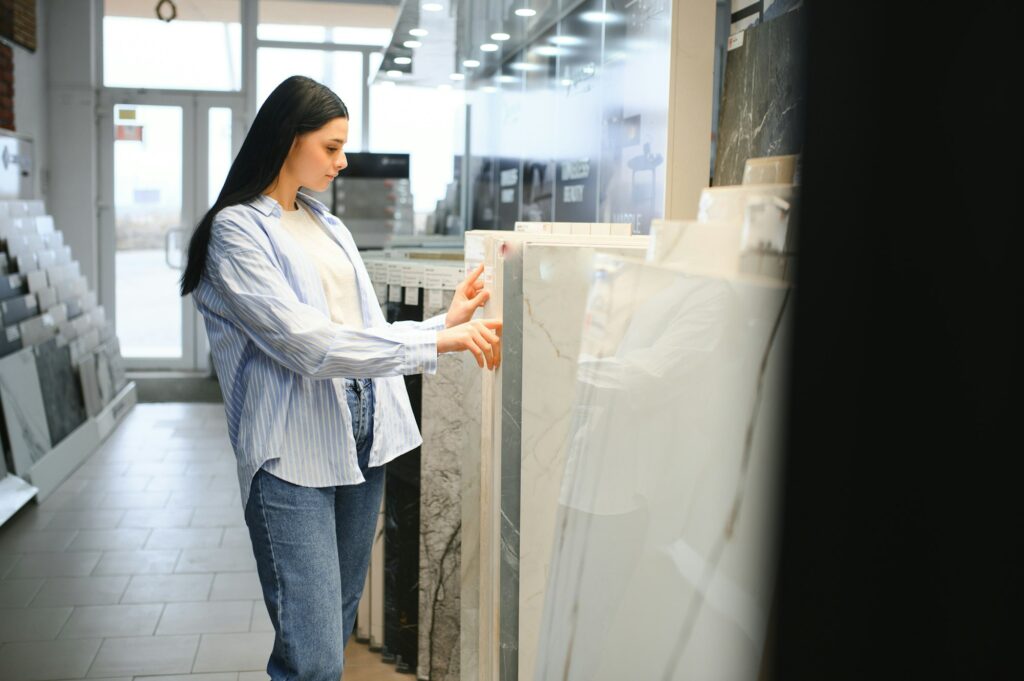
x=342 y=162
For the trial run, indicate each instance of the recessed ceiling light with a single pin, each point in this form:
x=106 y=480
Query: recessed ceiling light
x=599 y=17
x=403 y=60
x=471 y=63
x=488 y=89
x=524 y=66
x=548 y=51
x=412 y=43
x=432 y=7
x=489 y=47
x=457 y=76
x=525 y=12
x=418 y=32
x=565 y=40
x=500 y=36
x=394 y=73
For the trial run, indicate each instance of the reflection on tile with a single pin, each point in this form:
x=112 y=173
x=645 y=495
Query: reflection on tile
x=32 y=624
x=44 y=660
x=664 y=537
x=234 y=652
x=105 y=621
x=144 y=655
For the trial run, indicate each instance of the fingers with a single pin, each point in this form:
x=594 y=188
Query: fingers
x=481 y=298
x=473 y=276
x=477 y=353
x=482 y=343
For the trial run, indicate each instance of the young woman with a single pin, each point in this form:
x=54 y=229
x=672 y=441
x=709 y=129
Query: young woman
x=310 y=371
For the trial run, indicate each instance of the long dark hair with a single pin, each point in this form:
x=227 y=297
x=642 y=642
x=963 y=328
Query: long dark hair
x=298 y=105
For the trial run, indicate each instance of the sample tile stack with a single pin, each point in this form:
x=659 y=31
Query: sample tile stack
x=60 y=363
x=538 y=277
x=663 y=554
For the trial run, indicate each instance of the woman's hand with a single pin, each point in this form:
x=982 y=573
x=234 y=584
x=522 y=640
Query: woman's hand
x=469 y=295
x=482 y=337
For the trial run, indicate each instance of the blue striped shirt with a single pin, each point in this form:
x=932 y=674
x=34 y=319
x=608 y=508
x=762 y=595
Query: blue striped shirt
x=282 y=362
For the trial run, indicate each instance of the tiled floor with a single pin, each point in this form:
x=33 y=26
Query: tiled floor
x=140 y=566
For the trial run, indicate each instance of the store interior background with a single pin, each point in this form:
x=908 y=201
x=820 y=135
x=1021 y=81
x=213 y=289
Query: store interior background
x=546 y=129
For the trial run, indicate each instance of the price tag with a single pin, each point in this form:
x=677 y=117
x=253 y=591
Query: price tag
x=412 y=296
x=435 y=299
x=394 y=293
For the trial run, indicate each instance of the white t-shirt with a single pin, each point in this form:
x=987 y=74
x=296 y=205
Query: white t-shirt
x=336 y=271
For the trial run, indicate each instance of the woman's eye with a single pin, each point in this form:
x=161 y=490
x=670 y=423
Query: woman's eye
x=332 y=150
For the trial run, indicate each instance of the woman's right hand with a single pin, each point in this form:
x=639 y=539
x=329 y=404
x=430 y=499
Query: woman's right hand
x=482 y=337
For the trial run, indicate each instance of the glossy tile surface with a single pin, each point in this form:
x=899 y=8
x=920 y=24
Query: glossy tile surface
x=664 y=539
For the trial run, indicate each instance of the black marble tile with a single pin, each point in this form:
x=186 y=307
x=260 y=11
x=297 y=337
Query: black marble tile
x=763 y=100
x=62 y=394
x=402 y=531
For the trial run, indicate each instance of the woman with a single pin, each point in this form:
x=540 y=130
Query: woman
x=310 y=371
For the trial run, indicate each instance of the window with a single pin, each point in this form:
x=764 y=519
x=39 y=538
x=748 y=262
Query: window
x=339 y=70
x=422 y=122
x=199 y=50
x=321 y=22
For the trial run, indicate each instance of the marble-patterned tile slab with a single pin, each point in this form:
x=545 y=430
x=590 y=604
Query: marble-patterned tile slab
x=663 y=554
x=24 y=410
x=554 y=289
x=62 y=394
x=445 y=415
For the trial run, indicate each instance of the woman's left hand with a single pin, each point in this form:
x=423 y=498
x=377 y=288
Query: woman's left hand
x=469 y=295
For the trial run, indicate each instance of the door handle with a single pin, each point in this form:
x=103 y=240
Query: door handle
x=172 y=235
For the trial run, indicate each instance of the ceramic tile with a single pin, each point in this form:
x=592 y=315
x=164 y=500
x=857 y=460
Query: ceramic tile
x=24 y=410
x=62 y=395
x=667 y=499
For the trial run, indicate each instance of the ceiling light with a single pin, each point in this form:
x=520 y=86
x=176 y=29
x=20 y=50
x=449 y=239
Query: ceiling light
x=471 y=63
x=403 y=60
x=394 y=73
x=412 y=43
x=523 y=66
x=418 y=32
x=525 y=12
x=432 y=7
x=488 y=89
x=565 y=40
x=507 y=79
x=457 y=76
x=489 y=47
x=500 y=36
x=599 y=17
x=548 y=51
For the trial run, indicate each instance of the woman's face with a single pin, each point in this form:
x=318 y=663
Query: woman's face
x=317 y=157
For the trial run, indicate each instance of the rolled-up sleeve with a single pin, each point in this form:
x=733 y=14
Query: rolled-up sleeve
x=435 y=323
x=301 y=337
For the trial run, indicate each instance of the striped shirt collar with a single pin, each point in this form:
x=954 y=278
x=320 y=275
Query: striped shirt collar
x=268 y=206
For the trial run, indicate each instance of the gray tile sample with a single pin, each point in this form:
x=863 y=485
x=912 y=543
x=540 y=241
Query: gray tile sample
x=62 y=394
x=14 y=285
x=10 y=340
x=90 y=383
x=14 y=310
x=24 y=411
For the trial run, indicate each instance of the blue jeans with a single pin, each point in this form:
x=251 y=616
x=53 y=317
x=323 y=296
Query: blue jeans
x=312 y=548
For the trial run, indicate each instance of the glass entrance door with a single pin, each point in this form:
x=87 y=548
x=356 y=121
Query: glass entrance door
x=164 y=159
